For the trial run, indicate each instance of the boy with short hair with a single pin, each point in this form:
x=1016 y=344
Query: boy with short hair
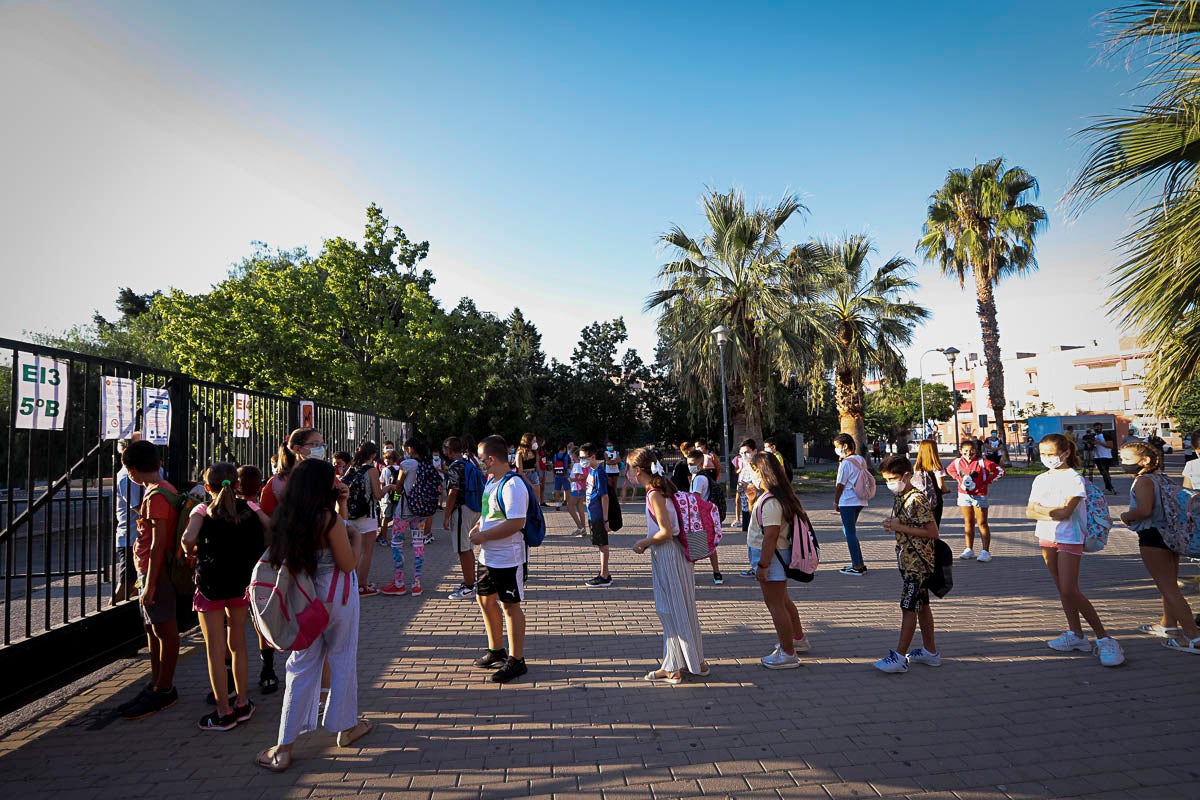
x=916 y=531
x=503 y=561
x=458 y=519
x=157 y=525
x=596 y=494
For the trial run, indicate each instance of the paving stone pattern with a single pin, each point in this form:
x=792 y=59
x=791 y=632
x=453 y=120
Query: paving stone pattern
x=1004 y=717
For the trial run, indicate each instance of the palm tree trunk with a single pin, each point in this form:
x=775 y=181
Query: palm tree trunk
x=991 y=351
x=848 y=395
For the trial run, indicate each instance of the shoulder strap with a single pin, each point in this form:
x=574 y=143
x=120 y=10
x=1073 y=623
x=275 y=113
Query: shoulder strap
x=758 y=506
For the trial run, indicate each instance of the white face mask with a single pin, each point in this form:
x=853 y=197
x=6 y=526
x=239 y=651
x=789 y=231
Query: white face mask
x=895 y=486
x=317 y=452
x=1052 y=462
x=841 y=452
x=693 y=468
x=585 y=462
x=534 y=446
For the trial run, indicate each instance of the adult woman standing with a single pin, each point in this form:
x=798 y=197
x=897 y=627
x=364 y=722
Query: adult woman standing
x=846 y=500
x=776 y=508
x=311 y=539
x=671 y=574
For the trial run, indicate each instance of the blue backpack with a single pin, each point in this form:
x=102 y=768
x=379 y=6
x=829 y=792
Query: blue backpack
x=472 y=485
x=535 y=524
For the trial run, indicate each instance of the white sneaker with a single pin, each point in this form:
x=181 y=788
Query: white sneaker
x=892 y=662
x=1070 y=641
x=984 y=556
x=780 y=660
x=968 y=553
x=802 y=645
x=923 y=656
x=1110 y=652
x=463 y=592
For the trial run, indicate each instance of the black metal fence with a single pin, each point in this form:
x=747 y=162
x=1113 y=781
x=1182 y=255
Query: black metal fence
x=59 y=466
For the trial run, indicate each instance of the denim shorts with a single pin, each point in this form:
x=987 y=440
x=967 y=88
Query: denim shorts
x=775 y=569
x=972 y=500
x=534 y=476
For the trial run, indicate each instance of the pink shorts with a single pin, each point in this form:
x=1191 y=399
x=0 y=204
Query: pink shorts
x=1073 y=549
x=202 y=603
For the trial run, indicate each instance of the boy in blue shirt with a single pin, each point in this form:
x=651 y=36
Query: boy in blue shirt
x=596 y=497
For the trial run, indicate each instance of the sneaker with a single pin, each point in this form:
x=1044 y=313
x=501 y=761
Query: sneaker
x=852 y=570
x=718 y=579
x=892 y=662
x=368 y=590
x=1070 y=641
x=513 y=668
x=984 y=556
x=213 y=721
x=923 y=656
x=581 y=533
x=491 y=658
x=463 y=592
x=747 y=573
x=598 y=582
x=968 y=553
x=801 y=645
x=151 y=703
x=417 y=591
x=1110 y=652
x=780 y=660
x=392 y=590
x=244 y=713
x=147 y=689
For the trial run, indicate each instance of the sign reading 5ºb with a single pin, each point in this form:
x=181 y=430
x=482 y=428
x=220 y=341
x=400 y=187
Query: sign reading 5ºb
x=41 y=402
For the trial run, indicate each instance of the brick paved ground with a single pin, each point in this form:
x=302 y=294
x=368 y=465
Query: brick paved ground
x=1004 y=716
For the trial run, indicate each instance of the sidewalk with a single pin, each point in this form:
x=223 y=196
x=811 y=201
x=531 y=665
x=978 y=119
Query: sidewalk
x=1005 y=717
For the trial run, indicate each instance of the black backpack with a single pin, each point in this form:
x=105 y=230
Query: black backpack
x=361 y=501
x=226 y=553
x=716 y=491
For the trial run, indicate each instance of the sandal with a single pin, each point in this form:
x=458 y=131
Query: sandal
x=1183 y=645
x=349 y=737
x=1158 y=630
x=274 y=759
x=269 y=683
x=704 y=670
x=658 y=676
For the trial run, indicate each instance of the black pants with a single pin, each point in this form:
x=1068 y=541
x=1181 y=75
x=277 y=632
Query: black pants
x=1104 y=464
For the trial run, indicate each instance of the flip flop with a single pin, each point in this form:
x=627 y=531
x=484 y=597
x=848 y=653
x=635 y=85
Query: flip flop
x=654 y=677
x=349 y=737
x=1158 y=630
x=274 y=760
x=268 y=683
x=707 y=671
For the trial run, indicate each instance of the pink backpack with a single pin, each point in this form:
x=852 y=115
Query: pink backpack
x=286 y=607
x=699 y=524
x=806 y=550
x=864 y=480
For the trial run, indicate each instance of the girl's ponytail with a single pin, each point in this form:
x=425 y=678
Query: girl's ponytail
x=221 y=478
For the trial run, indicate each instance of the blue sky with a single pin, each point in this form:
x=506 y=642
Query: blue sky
x=540 y=148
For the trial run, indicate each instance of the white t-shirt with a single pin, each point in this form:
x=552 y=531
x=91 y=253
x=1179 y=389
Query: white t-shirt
x=700 y=487
x=1102 y=445
x=1191 y=471
x=847 y=475
x=509 y=551
x=1054 y=488
x=409 y=467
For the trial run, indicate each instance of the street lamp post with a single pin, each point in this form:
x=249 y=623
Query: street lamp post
x=951 y=354
x=921 y=370
x=722 y=334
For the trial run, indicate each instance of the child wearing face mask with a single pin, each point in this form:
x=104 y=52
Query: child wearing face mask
x=916 y=531
x=1147 y=518
x=1055 y=502
x=700 y=485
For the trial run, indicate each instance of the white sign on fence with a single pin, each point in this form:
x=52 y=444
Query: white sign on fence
x=41 y=401
x=118 y=407
x=156 y=415
x=350 y=432
x=241 y=416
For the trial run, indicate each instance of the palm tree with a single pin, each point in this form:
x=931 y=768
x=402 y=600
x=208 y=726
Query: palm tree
x=979 y=223
x=1155 y=146
x=865 y=320
x=736 y=275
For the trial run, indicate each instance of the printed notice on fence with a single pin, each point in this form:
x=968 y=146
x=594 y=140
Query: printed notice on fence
x=118 y=407
x=156 y=415
x=41 y=401
x=241 y=416
x=350 y=432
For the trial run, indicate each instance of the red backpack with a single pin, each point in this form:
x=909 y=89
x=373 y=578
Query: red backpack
x=699 y=524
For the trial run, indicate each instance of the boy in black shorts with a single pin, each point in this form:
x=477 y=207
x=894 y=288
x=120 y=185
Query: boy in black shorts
x=596 y=496
x=503 y=561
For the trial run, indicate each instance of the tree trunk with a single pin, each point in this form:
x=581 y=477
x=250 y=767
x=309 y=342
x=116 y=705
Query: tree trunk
x=848 y=395
x=991 y=352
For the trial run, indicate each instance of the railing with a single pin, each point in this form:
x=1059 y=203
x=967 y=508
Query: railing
x=59 y=465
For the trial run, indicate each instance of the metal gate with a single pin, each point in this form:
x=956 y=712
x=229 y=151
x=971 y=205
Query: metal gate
x=59 y=504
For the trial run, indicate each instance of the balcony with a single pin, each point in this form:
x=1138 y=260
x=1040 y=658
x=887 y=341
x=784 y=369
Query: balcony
x=1109 y=385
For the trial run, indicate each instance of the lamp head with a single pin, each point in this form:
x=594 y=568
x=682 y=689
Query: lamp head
x=722 y=334
x=951 y=354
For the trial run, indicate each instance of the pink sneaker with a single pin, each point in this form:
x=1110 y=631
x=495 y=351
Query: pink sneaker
x=392 y=590
x=417 y=591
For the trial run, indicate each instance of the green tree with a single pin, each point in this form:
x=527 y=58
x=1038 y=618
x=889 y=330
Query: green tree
x=1155 y=147
x=865 y=318
x=895 y=410
x=135 y=336
x=1187 y=408
x=980 y=224
x=738 y=275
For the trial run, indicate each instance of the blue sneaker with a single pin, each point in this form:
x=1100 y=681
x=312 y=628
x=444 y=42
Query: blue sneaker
x=892 y=662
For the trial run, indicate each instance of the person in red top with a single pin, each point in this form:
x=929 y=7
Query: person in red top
x=301 y=443
x=157 y=525
x=974 y=475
